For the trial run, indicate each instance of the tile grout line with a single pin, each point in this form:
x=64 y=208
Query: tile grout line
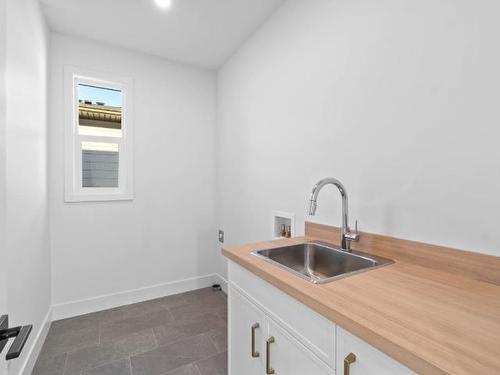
x=130 y=364
x=197 y=368
x=155 y=338
x=170 y=313
x=213 y=342
x=83 y=371
x=65 y=363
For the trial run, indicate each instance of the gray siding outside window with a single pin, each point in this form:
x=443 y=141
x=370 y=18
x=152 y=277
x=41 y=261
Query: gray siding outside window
x=99 y=168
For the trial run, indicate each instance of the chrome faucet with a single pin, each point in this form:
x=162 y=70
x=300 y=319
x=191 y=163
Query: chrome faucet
x=346 y=236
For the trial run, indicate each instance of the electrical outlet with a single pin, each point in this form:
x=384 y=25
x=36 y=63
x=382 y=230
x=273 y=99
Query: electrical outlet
x=221 y=236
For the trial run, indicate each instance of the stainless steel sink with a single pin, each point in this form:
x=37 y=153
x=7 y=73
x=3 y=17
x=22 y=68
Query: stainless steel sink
x=320 y=263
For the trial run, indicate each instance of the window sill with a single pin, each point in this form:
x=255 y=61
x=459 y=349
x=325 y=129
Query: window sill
x=98 y=198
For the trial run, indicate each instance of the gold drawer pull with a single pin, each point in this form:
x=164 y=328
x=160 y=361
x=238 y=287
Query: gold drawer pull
x=350 y=359
x=269 y=369
x=255 y=354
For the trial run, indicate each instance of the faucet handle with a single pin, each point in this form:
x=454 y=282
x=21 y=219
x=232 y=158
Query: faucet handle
x=353 y=236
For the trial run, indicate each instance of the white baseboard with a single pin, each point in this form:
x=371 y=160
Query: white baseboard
x=223 y=283
x=108 y=301
x=30 y=359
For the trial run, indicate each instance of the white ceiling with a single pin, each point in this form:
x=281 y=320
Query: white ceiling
x=199 y=32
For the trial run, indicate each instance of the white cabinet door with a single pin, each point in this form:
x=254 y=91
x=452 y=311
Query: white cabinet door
x=367 y=359
x=289 y=357
x=247 y=324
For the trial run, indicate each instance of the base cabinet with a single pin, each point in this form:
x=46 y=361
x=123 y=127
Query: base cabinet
x=264 y=339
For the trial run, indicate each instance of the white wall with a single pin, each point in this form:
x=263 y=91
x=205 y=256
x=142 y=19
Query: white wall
x=168 y=231
x=27 y=243
x=396 y=98
x=3 y=250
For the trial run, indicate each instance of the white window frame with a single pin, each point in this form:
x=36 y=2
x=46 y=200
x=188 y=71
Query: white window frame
x=74 y=192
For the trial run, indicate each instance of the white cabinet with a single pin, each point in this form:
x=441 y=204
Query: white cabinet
x=303 y=342
x=368 y=360
x=245 y=321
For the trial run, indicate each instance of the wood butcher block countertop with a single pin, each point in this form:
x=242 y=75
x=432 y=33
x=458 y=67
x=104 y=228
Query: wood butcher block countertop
x=435 y=310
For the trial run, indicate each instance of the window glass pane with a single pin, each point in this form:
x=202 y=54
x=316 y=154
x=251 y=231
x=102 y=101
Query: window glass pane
x=99 y=111
x=100 y=164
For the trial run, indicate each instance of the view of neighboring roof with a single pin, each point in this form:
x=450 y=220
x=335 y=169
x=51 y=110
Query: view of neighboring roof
x=99 y=115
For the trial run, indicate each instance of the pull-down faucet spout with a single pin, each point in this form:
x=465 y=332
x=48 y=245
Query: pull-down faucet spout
x=346 y=236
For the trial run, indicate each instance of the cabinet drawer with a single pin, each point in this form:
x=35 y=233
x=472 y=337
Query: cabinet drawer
x=313 y=330
x=369 y=361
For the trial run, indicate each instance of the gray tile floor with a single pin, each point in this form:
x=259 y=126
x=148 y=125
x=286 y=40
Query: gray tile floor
x=184 y=334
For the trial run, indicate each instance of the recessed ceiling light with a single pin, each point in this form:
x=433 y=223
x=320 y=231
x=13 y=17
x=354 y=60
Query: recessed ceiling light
x=164 y=4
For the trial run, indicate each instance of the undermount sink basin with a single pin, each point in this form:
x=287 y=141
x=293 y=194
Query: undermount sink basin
x=320 y=263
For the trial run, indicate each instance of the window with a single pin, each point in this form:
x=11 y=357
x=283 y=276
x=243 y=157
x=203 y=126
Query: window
x=98 y=137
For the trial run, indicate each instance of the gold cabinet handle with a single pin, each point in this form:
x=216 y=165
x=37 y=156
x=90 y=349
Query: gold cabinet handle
x=269 y=369
x=350 y=359
x=255 y=354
